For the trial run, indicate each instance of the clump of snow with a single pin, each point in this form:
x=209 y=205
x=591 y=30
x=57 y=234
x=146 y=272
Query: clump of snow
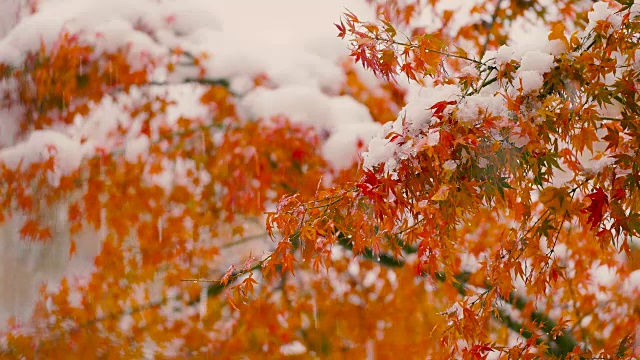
x=532 y=67
x=469 y=262
x=125 y=323
x=75 y=298
x=631 y=285
x=527 y=35
x=380 y=151
x=505 y=54
x=603 y=275
x=602 y=12
x=136 y=149
x=536 y=61
x=417 y=113
x=107 y=26
x=304 y=105
x=346 y=120
x=433 y=137
x=9 y=124
x=293 y=348
x=40 y=147
x=517 y=139
x=556 y=47
x=184 y=102
x=471 y=108
x=450 y=165
x=339 y=148
x=531 y=80
x=455 y=309
x=371 y=277
x=236 y=56
x=306 y=69
x=346 y=110
x=413 y=120
x=10 y=15
x=592 y=167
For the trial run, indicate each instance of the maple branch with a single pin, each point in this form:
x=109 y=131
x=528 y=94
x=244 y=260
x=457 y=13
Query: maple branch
x=382 y=259
x=212 y=290
x=443 y=53
x=190 y=80
x=564 y=342
x=514 y=325
x=244 y=240
x=219 y=285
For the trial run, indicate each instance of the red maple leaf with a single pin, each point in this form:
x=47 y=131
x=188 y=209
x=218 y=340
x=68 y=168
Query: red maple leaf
x=599 y=201
x=369 y=185
x=438 y=108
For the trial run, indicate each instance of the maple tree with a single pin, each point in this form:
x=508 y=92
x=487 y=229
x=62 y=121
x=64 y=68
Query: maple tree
x=495 y=215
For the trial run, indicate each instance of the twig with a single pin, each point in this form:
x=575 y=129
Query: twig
x=494 y=17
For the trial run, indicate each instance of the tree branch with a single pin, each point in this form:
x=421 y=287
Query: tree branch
x=494 y=17
x=560 y=346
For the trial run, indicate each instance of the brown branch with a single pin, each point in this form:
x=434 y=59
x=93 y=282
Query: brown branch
x=443 y=53
x=494 y=17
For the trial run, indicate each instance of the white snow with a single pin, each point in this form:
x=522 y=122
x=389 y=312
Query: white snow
x=10 y=15
x=136 y=149
x=631 y=285
x=40 y=147
x=602 y=12
x=107 y=25
x=345 y=119
x=536 y=61
x=433 y=137
x=338 y=149
x=380 y=151
x=450 y=165
x=531 y=80
x=603 y=275
x=533 y=66
x=300 y=57
x=9 y=125
x=293 y=348
x=472 y=108
x=505 y=54
x=75 y=298
x=305 y=77
x=414 y=118
x=469 y=262
x=301 y=104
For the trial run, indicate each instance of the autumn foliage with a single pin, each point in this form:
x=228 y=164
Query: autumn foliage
x=496 y=215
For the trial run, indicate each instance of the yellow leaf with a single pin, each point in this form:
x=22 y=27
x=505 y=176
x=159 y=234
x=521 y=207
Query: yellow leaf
x=441 y=194
x=557 y=33
x=548 y=194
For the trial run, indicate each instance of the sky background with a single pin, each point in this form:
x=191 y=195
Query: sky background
x=287 y=20
x=283 y=20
